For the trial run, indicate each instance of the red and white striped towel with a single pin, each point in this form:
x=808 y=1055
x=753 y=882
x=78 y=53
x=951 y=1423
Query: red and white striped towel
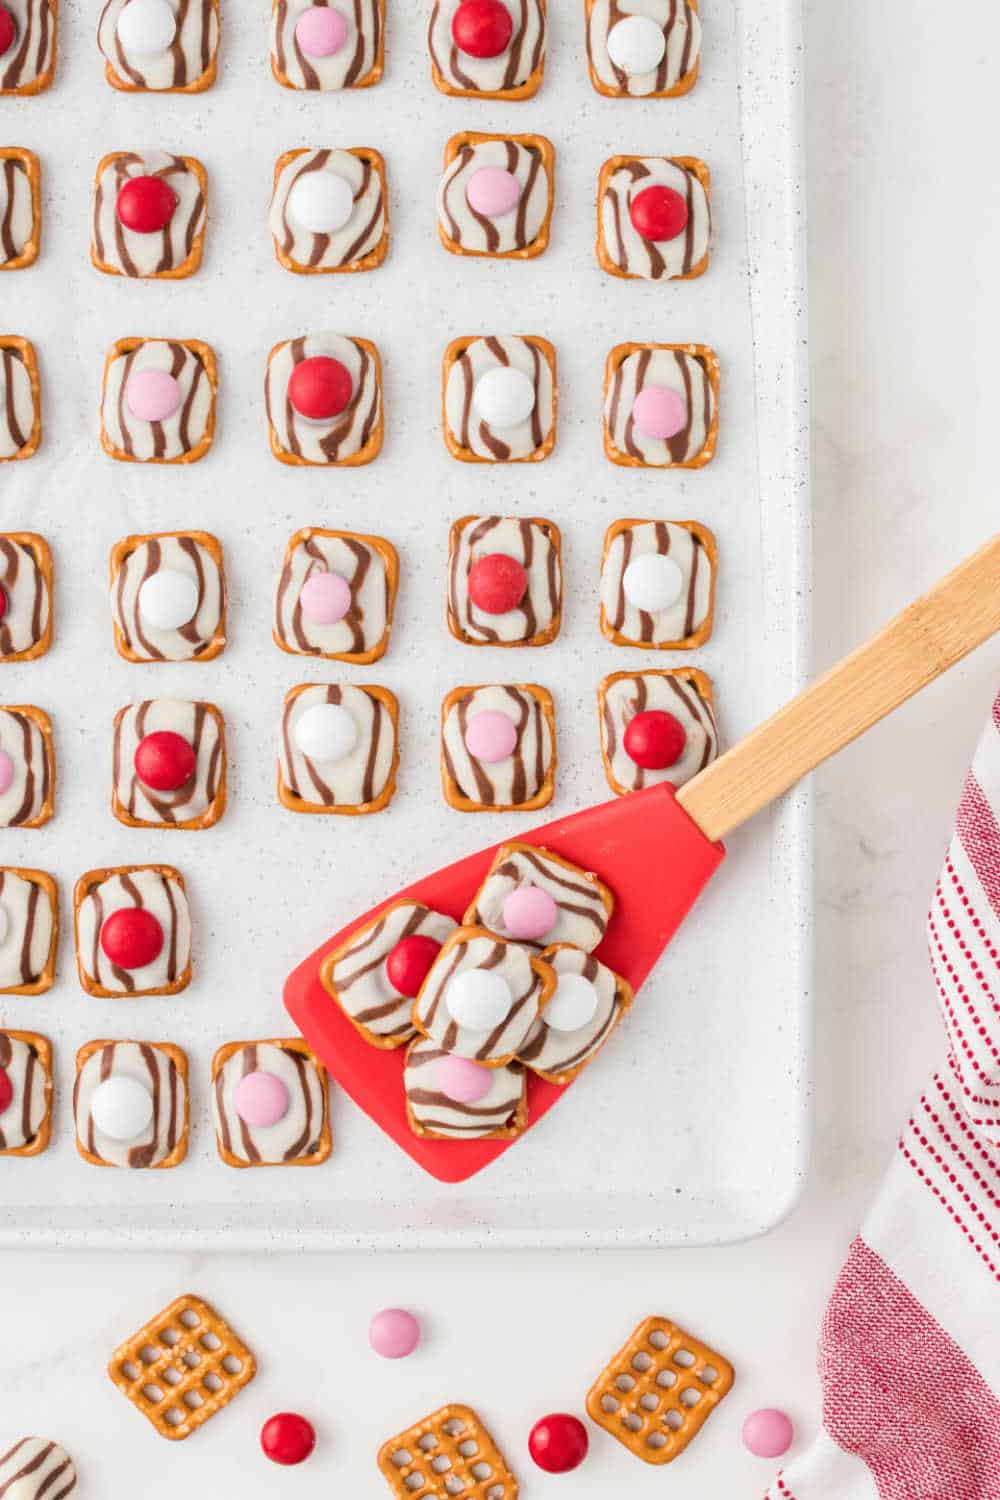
x=910 y=1348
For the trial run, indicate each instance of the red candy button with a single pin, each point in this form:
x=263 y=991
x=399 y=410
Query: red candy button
x=3 y=604
x=655 y=740
x=146 y=204
x=164 y=761
x=6 y=1090
x=558 y=1443
x=320 y=387
x=409 y=963
x=658 y=213
x=132 y=937
x=482 y=28
x=497 y=583
x=8 y=30
x=287 y=1438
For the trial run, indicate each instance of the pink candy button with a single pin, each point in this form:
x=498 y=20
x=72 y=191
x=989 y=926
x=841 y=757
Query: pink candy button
x=394 y=1333
x=6 y=772
x=463 y=1081
x=261 y=1098
x=659 y=412
x=768 y=1433
x=321 y=31
x=493 y=192
x=325 y=598
x=490 y=736
x=529 y=913
x=152 y=395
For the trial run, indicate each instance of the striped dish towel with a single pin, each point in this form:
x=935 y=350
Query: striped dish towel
x=910 y=1349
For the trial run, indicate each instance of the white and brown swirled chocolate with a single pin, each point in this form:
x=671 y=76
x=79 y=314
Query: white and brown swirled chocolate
x=173 y=251
x=522 y=780
x=677 y=68
x=187 y=63
x=520 y=232
x=529 y=984
x=684 y=623
x=30 y=62
x=355 y=64
x=200 y=801
x=26 y=743
x=622 y=249
x=186 y=433
x=685 y=696
x=500 y=1113
x=24 y=1125
x=36 y=1469
x=301 y=1136
x=360 y=239
x=25 y=596
x=469 y=432
x=363 y=779
x=559 y=1054
x=514 y=73
x=353 y=436
x=582 y=903
x=156 y=1067
x=532 y=542
x=20 y=208
x=690 y=374
x=20 y=414
x=369 y=566
x=28 y=930
x=155 y=889
x=194 y=556
x=357 y=978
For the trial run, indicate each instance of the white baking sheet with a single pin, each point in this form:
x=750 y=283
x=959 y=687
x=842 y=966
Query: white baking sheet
x=693 y=1125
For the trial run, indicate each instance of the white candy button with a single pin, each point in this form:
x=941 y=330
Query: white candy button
x=4 y=924
x=504 y=397
x=326 y=732
x=479 y=999
x=121 y=1107
x=321 y=202
x=168 y=599
x=573 y=1005
x=146 y=27
x=636 y=45
x=652 y=582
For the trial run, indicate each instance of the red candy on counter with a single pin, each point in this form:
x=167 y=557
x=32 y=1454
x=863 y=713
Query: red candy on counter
x=654 y=739
x=132 y=937
x=287 y=1438
x=482 y=28
x=164 y=761
x=146 y=204
x=320 y=387
x=658 y=213
x=409 y=963
x=558 y=1443
x=497 y=583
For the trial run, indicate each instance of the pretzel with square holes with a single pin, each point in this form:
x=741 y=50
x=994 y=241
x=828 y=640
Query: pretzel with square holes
x=659 y=1391
x=451 y=1447
x=191 y=1358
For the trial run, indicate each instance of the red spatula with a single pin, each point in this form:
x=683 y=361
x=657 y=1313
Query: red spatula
x=656 y=850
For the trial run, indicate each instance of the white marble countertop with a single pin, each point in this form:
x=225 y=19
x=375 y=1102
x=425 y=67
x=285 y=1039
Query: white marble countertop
x=902 y=347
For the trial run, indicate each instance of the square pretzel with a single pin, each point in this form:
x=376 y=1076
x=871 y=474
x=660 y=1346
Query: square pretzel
x=375 y=162
x=14 y=352
x=44 y=894
x=706 y=543
x=27 y=162
x=39 y=1050
x=456 y=351
x=319 y=1144
x=30 y=66
x=39 y=638
x=202 y=354
x=112 y=260
x=659 y=1391
x=448 y=1449
x=691 y=166
x=705 y=357
x=542 y=149
x=185 y=1365
x=686 y=82
x=29 y=718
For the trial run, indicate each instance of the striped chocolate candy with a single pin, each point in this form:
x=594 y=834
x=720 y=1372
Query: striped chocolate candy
x=535 y=544
x=465 y=425
x=629 y=252
x=27 y=771
x=28 y=1111
x=116 y=248
x=196 y=802
x=583 y=904
x=154 y=1066
x=27 y=928
x=299 y=1134
x=354 y=65
x=188 y=63
x=559 y=1055
x=357 y=978
x=158 y=890
x=182 y=436
x=139 y=559
x=355 y=432
x=625 y=694
x=359 y=237
x=25 y=569
x=523 y=778
x=502 y=1110
x=675 y=370
x=464 y=228
x=528 y=980
x=361 y=780
x=680 y=622
x=681 y=29
x=27 y=67
x=515 y=71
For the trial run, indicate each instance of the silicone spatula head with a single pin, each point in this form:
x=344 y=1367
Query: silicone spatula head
x=645 y=847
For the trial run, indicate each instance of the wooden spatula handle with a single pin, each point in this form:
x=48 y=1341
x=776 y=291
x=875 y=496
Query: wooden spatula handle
x=927 y=638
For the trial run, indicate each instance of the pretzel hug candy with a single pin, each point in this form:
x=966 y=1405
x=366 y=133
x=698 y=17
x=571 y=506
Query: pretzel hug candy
x=336 y=595
x=500 y=399
x=481 y=997
x=323 y=394
x=661 y=405
x=27 y=767
x=168 y=597
x=20 y=207
x=376 y=974
x=656 y=727
x=270 y=1105
x=654 y=219
x=160 y=46
x=330 y=210
x=20 y=399
x=488 y=49
x=643 y=49
x=130 y=1104
x=183 y=1367
x=25 y=1097
x=149 y=214
x=158 y=400
x=504 y=581
x=25 y=596
x=498 y=748
x=133 y=931
x=533 y=896
x=28 y=59
x=586 y=1005
x=496 y=195
x=29 y=931
x=339 y=749
x=658 y=584
x=449 y=1453
x=36 y=1469
x=450 y=1098
x=169 y=764
x=659 y=1390
x=327 y=47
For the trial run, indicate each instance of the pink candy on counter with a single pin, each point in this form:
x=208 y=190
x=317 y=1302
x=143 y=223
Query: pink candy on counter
x=493 y=192
x=529 y=913
x=321 y=31
x=659 y=412
x=768 y=1433
x=261 y=1098
x=394 y=1333
x=462 y=1080
x=490 y=736
x=152 y=395
x=325 y=598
